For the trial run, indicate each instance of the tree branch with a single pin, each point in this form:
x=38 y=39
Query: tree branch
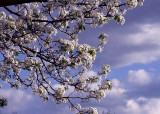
x=15 y=2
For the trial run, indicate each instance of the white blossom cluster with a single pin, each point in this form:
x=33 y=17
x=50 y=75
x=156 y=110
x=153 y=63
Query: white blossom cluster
x=41 y=91
x=90 y=110
x=133 y=3
x=59 y=94
x=84 y=54
x=34 y=55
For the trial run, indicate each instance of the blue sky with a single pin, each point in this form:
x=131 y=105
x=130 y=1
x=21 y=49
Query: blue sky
x=133 y=52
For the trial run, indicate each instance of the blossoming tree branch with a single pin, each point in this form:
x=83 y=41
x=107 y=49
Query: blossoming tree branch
x=34 y=56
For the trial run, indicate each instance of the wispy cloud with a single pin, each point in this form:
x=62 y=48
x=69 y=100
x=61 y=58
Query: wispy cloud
x=141 y=46
x=17 y=100
x=121 y=99
x=139 y=77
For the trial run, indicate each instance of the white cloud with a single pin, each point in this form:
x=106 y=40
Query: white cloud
x=141 y=46
x=114 y=97
x=148 y=34
x=117 y=91
x=17 y=100
x=117 y=101
x=116 y=83
x=139 y=77
x=133 y=106
x=120 y=103
x=90 y=73
x=24 y=102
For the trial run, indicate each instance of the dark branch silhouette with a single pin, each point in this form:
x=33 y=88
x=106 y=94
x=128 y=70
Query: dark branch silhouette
x=15 y=2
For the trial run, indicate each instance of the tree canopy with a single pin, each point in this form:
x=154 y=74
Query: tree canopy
x=32 y=54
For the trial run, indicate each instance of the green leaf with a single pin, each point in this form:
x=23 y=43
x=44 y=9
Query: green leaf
x=29 y=69
x=92 y=52
x=79 y=52
x=30 y=20
x=84 y=28
x=110 y=87
x=78 y=60
x=71 y=52
x=45 y=99
x=63 y=48
x=7 y=38
x=116 y=18
x=101 y=36
x=81 y=21
x=16 y=86
x=18 y=26
x=106 y=19
x=81 y=27
x=72 y=65
x=17 y=54
x=68 y=27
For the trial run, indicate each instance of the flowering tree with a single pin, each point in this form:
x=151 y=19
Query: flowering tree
x=33 y=56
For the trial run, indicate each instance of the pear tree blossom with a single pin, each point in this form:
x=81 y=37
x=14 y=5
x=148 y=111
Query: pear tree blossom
x=39 y=47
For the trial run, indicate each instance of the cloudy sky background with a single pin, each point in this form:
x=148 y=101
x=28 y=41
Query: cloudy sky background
x=133 y=52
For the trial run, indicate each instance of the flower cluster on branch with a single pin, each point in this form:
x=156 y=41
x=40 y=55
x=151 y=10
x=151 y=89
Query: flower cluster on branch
x=29 y=45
